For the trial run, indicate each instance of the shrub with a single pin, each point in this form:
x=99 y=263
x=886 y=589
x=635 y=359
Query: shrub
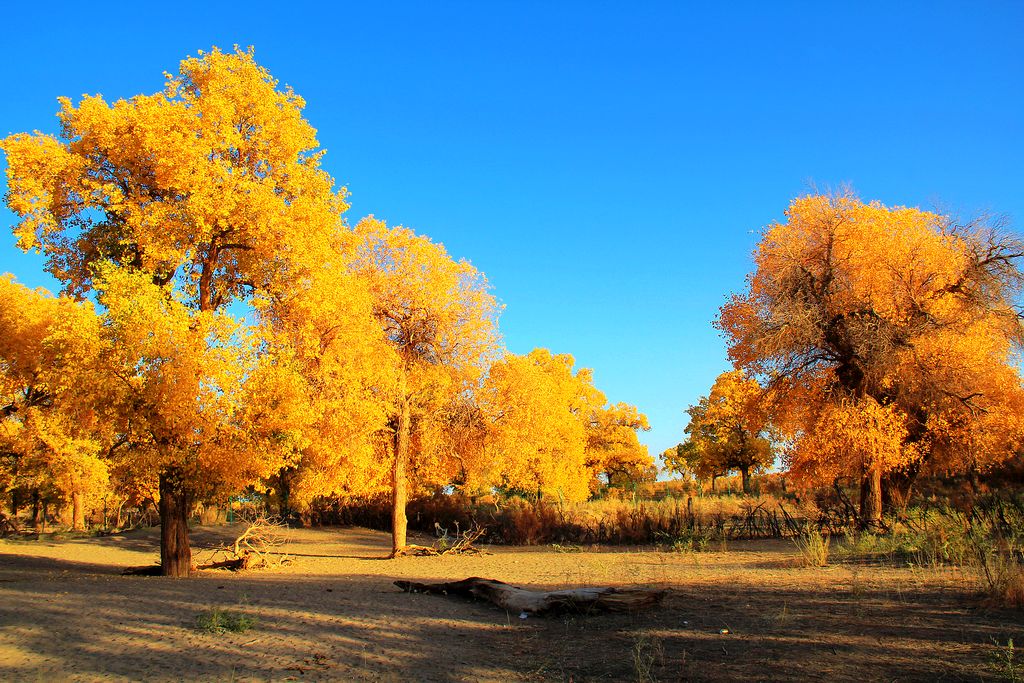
x=219 y=620
x=813 y=546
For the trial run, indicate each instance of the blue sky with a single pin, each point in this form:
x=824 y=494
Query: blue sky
x=607 y=166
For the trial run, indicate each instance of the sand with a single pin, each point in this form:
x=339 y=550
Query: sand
x=332 y=613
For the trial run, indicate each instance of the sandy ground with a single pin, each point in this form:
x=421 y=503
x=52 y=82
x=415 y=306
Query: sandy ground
x=332 y=613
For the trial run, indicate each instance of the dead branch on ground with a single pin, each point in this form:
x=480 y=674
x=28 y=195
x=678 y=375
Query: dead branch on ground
x=257 y=547
x=8 y=525
x=462 y=545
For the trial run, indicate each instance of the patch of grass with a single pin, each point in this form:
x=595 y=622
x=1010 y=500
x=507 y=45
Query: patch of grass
x=926 y=540
x=646 y=653
x=695 y=541
x=219 y=620
x=988 y=540
x=1004 y=660
x=566 y=548
x=814 y=547
x=1001 y=574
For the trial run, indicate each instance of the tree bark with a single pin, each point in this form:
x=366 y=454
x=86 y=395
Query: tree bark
x=37 y=512
x=871 y=499
x=175 y=552
x=399 y=485
x=78 y=511
x=745 y=474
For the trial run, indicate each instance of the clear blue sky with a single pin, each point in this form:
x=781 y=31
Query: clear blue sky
x=608 y=167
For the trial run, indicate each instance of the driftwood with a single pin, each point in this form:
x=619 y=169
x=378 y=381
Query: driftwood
x=516 y=599
x=257 y=547
x=463 y=544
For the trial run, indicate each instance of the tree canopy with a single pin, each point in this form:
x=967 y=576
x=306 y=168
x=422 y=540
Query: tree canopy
x=727 y=431
x=886 y=338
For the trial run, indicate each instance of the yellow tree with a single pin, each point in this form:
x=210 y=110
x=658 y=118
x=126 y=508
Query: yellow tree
x=441 y=323
x=549 y=430
x=185 y=401
x=684 y=459
x=727 y=429
x=537 y=408
x=614 y=452
x=886 y=337
x=324 y=385
x=212 y=186
x=52 y=439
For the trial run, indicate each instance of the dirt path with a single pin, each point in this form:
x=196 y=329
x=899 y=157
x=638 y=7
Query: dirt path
x=333 y=614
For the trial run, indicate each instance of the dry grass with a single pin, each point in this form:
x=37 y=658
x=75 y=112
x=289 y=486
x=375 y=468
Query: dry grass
x=519 y=521
x=814 y=548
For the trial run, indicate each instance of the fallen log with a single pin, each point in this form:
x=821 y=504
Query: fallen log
x=515 y=599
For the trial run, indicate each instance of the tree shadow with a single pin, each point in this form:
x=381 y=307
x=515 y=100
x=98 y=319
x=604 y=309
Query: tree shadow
x=66 y=618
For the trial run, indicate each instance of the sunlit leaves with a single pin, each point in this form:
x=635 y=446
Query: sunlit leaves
x=726 y=431
x=215 y=180
x=886 y=337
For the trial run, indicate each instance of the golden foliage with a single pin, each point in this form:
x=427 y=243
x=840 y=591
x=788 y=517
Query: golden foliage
x=174 y=206
x=51 y=435
x=215 y=180
x=887 y=337
x=538 y=440
x=726 y=431
x=552 y=432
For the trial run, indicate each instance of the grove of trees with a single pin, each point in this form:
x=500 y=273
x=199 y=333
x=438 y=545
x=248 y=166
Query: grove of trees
x=222 y=327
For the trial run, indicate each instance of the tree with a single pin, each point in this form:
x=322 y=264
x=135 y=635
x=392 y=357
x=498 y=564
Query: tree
x=441 y=323
x=212 y=186
x=184 y=401
x=538 y=410
x=323 y=390
x=614 y=451
x=886 y=339
x=551 y=431
x=688 y=459
x=727 y=427
x=52 y=439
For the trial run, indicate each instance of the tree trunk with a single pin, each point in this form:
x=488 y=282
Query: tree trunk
x=175 y=552
x=871 y=499
x=15 y=503
x=745 y=474
x=78 y=511
x=399 y=522
x=713 y=478
x=896 y=489
x=37 y=512
x=284 y=492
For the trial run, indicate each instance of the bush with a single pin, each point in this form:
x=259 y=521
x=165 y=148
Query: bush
x=989 y=539
x=813 y=546
x=219 y=620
